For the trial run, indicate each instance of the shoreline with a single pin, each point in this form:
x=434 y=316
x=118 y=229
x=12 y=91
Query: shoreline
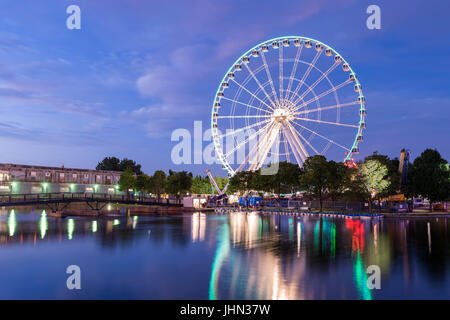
x=340 y=214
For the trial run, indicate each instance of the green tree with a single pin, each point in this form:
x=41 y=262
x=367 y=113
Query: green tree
x=143 y=184
x=114 y=164
x=392 y=175
x=338 y=178
x=179 y=182
x=110 y=164
x=201 y=185
x=158 y=183
x=242 y=182
x=316 y=176
x=285 y=180
x=127 y=163
x=372 y=180
x=127 y=181
x=430 y=177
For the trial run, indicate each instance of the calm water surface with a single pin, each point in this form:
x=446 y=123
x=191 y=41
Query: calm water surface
x=213 y=256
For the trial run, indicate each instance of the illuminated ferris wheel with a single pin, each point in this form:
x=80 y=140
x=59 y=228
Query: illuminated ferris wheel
x=286 y=99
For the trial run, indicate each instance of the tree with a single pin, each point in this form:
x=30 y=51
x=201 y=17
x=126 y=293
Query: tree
x=338 y=178
x=372 y=180
x=316 y=177
x=143 y=183
x=393 y=175
x=201 y=185
x=430 y=177
x=127 y=181
x=110 y=164
x=179 y=182
x=127 y=163
x=114 y=164
x=158 y=183
x=283 y=181
x=242 y=182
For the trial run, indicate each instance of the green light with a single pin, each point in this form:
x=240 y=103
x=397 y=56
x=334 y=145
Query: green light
x=95 y=187
x=221 y=254
x=94 y=226
x=14 y=184
x=116 y=222
x=43 y=224
x=360 y=277
x=44 y=186
x=72 y=186
x=70 y=228
x=117 y=187
x=12 y=223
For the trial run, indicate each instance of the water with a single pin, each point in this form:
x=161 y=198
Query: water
x=232 y=256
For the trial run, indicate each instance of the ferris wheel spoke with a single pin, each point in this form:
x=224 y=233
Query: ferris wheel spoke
x=257 y=147
x=321 y=136
x=242 y=129
x=294 y=70
x=259 y=84
x=269 y=140
x=280 y=63
x=243 y=117
x=336 y=106
x=296 y=150
x=245 y=104
x=306 y=74
x=328 y=122
x=286 y=148
x=306 y=141
x=323 y=76
x=323 y=94
x=239 y=145
x=244 y=88
x=298 y=142
x=269 y=76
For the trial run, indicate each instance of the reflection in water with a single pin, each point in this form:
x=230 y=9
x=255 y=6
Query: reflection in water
x=230 y=256
x=198 y=225
x=12 y=223
x=94 y=226
x=222 y=251
x=70 y=228
x=43 y=224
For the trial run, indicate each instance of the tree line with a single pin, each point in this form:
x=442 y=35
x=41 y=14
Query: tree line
x=176 y=183
x=375 y=178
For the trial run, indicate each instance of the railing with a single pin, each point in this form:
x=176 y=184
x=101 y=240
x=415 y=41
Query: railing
x=82 y=196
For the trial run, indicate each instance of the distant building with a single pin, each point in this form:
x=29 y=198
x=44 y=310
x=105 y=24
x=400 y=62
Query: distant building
x=17 y=179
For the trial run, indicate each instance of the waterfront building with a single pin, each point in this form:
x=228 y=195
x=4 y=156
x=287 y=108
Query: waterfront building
x=24 y=179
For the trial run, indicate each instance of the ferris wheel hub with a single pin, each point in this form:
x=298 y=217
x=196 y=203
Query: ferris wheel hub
x=281 y=114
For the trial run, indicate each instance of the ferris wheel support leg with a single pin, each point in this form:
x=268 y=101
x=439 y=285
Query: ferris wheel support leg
x=299 y=156
x=272 y=138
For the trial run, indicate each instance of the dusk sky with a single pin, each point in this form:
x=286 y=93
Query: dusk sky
x=137 y=70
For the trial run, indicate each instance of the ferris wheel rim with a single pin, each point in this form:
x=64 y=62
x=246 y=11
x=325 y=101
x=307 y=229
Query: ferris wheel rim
x=361 y=102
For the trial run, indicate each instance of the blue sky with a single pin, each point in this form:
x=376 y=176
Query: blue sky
x=137 y=70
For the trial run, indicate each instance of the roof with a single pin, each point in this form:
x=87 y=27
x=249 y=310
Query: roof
x=13 y=165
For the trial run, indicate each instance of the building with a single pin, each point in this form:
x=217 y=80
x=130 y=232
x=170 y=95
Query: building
x=25 y=179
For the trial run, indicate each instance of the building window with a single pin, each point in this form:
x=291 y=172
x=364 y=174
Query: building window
x=98 y=179
x=61 y=178
x=4 y=177
x=74 y=177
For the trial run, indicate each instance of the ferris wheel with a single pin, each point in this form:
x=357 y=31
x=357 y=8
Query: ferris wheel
x=286 y=99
